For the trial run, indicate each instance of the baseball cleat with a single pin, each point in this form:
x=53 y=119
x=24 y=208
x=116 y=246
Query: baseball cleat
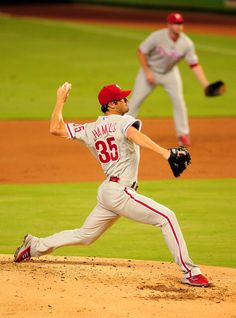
x=197 y=280
x=184 y=140
x=22 y=253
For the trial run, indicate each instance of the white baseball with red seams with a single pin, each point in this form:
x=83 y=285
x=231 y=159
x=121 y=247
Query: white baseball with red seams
x=67 y=85
x=119 y=157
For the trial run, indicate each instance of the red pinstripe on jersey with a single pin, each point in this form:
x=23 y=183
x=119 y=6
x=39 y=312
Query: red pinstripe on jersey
x=69 y=130
x=169 y=221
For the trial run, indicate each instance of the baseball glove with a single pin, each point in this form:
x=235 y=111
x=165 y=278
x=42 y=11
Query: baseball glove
x=215 y=89
x=179 y=160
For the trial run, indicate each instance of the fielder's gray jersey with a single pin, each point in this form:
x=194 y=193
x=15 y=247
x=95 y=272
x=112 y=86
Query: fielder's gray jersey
x=106 y=139
x=163 y=53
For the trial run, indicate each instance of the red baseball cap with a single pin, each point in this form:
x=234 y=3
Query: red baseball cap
x=175 y=18
x=112 y=92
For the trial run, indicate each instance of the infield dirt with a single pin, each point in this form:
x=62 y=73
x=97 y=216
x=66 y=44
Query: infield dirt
x=110 y=288
x=31 y=155
x=107 y=288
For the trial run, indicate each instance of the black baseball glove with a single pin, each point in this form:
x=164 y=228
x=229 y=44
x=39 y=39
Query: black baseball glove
x=215 y=89
x=179 y=160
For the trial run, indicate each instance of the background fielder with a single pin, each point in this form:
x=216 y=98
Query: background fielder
x=159 y=54
x=114 y=139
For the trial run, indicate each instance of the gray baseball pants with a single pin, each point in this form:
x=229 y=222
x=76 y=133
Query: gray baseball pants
x=116 y=200
x=172 y=84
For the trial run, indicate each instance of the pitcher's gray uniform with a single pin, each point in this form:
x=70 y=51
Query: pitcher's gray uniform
x=114 y=139
x=119 y=158
x=162 y=56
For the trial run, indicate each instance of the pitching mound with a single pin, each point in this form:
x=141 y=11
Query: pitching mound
x=110 y=288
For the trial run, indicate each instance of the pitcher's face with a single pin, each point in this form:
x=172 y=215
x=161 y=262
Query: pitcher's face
x=122 y=106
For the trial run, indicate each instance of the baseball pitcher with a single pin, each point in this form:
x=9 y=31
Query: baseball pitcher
x=114 y=139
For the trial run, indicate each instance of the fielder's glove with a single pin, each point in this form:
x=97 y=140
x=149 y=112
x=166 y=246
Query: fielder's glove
x=215 y=89
x=179 y=160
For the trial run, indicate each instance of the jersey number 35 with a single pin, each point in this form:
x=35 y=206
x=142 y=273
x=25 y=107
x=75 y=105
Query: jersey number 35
x=107 y=150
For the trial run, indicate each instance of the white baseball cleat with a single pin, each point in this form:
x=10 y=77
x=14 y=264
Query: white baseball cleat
x=22 y=253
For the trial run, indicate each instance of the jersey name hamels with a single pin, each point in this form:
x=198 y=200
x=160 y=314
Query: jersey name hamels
x=103 y=130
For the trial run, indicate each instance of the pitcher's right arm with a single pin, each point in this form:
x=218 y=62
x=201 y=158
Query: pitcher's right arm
x=57 y=125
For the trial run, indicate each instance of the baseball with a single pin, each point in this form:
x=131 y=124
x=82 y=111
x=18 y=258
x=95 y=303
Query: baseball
x=67 y=85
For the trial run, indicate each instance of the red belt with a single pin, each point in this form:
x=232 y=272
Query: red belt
x=114 y=179
x=117 y=179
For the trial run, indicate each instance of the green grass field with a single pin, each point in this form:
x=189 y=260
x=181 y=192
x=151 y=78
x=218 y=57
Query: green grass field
x=205 y=210
x=37 y=56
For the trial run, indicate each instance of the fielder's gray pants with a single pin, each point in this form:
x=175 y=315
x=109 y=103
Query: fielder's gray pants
x=172 y=83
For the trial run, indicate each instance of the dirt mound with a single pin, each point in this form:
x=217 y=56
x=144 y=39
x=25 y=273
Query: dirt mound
x=110 y=288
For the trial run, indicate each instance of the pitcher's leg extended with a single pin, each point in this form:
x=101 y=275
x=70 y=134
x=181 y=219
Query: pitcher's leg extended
x=98 y=221
x=145 y=210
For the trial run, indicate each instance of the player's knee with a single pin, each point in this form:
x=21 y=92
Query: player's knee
x=169 y=217
x=84 y=238
x=86 y=242
x=171 y=214
x=179 y=103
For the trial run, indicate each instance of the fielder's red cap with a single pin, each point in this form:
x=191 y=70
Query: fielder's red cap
x=175 y=18
x=112 y=92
